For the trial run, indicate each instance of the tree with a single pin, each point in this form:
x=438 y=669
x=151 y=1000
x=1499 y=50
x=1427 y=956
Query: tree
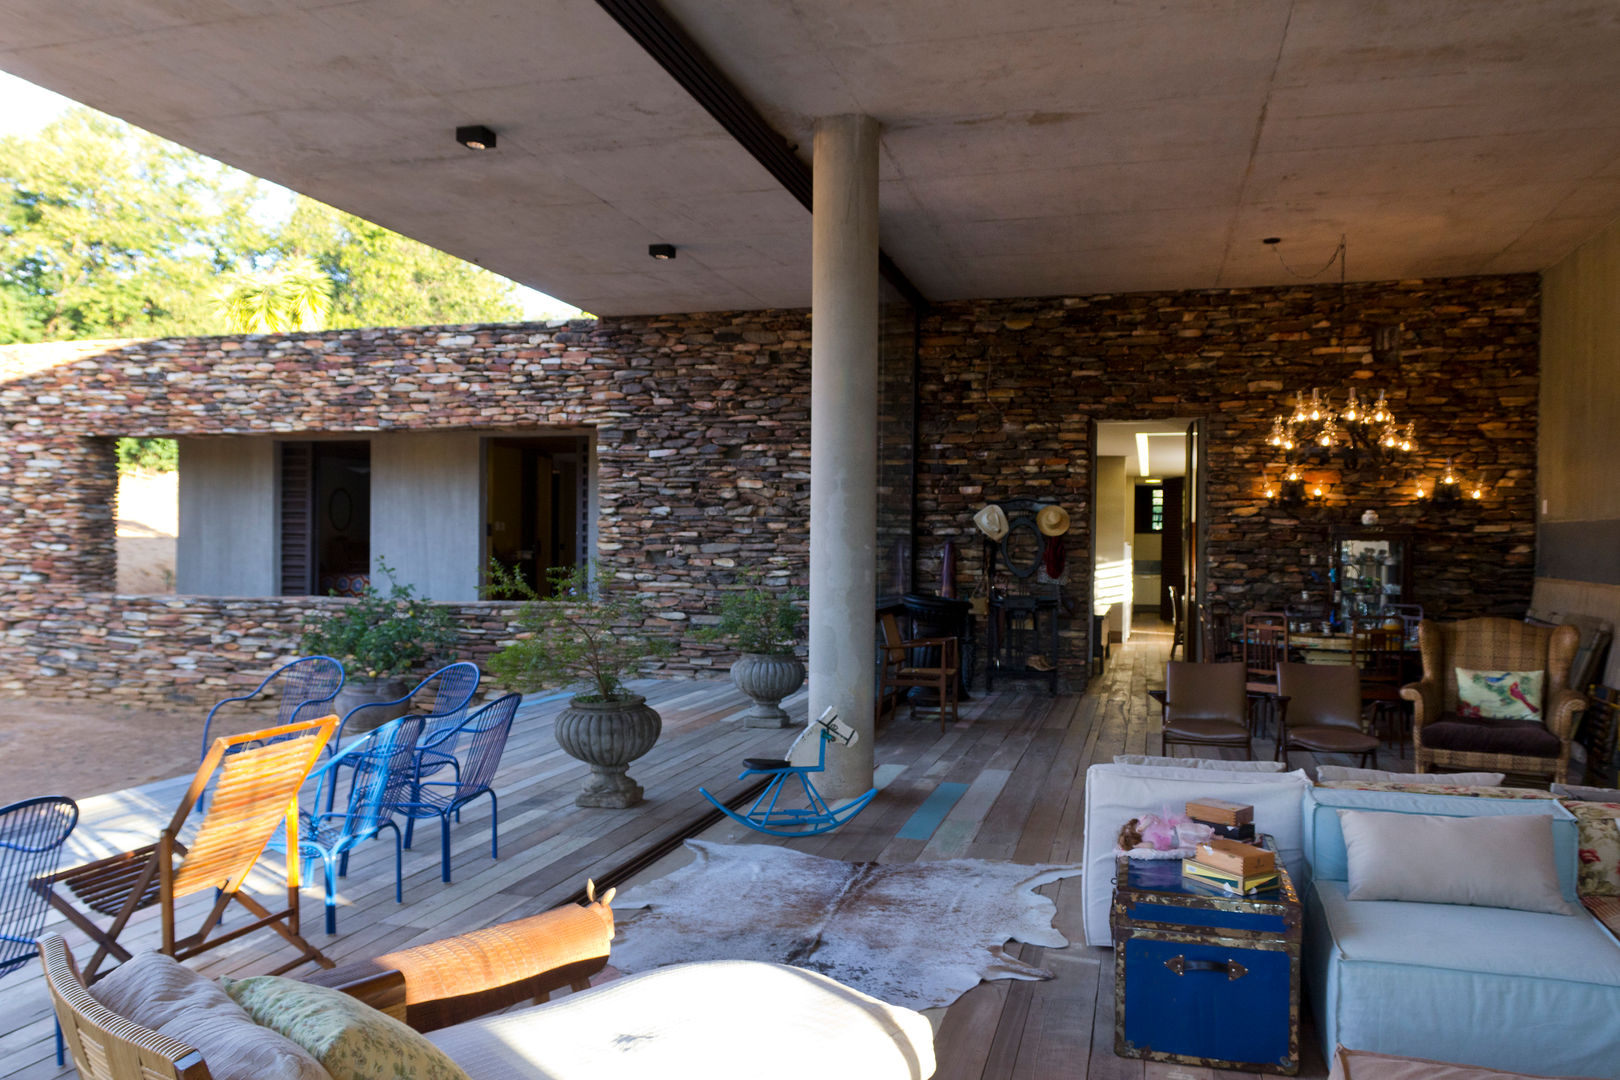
x=108 y=231
x=293 y=295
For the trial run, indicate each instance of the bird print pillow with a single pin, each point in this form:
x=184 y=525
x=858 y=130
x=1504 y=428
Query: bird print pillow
x=1499 y=695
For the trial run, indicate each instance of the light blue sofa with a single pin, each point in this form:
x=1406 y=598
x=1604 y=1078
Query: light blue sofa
x=1515 y=990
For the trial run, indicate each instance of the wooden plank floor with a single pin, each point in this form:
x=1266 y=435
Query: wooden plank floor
x=1021 y=753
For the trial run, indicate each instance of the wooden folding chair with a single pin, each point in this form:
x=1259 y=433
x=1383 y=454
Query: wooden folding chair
x=928 y=663
x=255 y=792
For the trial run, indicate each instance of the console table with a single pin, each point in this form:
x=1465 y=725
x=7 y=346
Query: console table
x=1023 y=628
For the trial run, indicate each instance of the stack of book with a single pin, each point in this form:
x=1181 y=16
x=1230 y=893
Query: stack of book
x=1231 y=865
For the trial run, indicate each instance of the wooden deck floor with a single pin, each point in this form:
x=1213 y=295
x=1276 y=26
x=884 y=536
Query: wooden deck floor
x=1021 y=753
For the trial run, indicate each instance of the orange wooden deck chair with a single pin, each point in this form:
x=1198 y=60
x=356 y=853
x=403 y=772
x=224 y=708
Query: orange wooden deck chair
x=255 y=792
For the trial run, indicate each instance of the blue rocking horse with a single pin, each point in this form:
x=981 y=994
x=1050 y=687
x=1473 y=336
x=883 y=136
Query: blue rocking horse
x=767 y=817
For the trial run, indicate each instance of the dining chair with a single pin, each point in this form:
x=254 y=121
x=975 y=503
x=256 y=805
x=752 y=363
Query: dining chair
x=1319 y=710
x=1204 y=705
x=1178 y=627
x=306 y=685
x=1265 y=645
x=1379 y=653
x=482 y=738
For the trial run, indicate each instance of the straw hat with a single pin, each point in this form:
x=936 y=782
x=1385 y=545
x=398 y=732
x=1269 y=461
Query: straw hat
x=992 y=522
x=1052 y=521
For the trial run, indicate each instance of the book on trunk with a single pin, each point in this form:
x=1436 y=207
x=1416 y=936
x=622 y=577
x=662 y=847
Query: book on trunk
x=1234 y=883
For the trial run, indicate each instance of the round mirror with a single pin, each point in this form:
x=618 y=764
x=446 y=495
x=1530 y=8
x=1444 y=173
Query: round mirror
x=1021 y=548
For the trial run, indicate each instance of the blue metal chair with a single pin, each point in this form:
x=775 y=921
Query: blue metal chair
x=485 y=734
x=308 y=684
x=813 y=819
x=32 y=833
x=453 y=687
x=382 y=767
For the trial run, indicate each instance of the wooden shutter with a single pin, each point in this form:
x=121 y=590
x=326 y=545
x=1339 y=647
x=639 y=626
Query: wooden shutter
x=297 y=519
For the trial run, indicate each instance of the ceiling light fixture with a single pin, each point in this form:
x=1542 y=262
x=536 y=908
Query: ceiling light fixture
x=475 y=137
x=661 y=252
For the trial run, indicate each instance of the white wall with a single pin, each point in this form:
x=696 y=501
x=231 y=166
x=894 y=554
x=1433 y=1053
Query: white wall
x=427 y=517
x=227 y=544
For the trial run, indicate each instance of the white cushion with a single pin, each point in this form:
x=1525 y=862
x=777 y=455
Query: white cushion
x=1117 y=793
x=1503 y=861
x=156 y=992
x=1199 y=763
x=720 y=1018
x=1333 y=773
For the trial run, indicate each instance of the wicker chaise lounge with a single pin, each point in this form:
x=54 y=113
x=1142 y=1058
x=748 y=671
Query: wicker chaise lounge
x=726 y=1018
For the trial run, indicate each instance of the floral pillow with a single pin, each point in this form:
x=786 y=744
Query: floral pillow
x=350 y=1038
x=1599 y=847
x=1499 y=695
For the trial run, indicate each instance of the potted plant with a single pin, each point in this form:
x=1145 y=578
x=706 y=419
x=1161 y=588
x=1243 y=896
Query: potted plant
x=380 y=637
x=764 y=625
x=590 y=638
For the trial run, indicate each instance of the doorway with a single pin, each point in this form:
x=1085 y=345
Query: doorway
x=1144 y=492
x=325 y=517
x=536 y=499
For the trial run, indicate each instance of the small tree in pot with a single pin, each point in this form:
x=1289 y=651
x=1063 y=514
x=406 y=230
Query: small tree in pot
x=380 y=638
x=591 y=639
x=763 y=625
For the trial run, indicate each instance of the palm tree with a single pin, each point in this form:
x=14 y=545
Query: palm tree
x=295 y=294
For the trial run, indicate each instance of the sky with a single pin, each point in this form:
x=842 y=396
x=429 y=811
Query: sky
x=25 y=108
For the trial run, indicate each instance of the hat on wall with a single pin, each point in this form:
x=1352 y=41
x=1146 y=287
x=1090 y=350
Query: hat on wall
x=992 y=522
x=1052 y=521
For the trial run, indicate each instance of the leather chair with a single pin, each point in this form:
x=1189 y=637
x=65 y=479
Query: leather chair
x=1319 y=710
x=1440 y=737
x=1204 y=705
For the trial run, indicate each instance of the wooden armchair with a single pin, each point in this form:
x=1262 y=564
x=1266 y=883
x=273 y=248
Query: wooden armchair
x=1441 y=737
x=930 y=663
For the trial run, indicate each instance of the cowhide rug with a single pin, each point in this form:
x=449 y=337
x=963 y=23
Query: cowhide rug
x=913 y=934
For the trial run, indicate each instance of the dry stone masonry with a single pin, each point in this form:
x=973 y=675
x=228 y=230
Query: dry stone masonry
x=702 y=425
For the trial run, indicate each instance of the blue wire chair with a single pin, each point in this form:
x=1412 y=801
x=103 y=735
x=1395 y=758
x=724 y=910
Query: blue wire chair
x=485 y=731
x=453 y=687
x=32 y=833
x=766 y=816
x=307 y=685
x=382 y=765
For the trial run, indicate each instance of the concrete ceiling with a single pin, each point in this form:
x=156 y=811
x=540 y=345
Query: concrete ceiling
x=1030 y=147
x=1165 y=441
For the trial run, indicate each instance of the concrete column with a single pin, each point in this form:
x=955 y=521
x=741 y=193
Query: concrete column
x=843 y=442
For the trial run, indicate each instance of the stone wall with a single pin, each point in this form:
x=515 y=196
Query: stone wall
x=1010 y=389
x=703 y=443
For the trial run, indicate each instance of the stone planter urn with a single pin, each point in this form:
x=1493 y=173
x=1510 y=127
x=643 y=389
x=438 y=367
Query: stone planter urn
x=359 y=691
x=767 y=678
x=608 y=736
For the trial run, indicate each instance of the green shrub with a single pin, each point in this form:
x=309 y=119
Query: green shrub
x=757 y=619
x=381 y=635
x=151 y=455
x=577 y=637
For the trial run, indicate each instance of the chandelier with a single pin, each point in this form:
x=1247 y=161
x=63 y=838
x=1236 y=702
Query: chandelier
x=1317 y=428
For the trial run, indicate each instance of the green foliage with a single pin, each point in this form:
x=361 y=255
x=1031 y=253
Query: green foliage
x=295 y=294
x=150 y=455
x=108 y=231
x=575 y=637
x=757 y=619
x=382 y=634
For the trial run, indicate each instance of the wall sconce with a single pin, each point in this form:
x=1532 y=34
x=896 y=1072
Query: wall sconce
x=1290 y=491
x=1386 y=343
x=1450 y=489
x=475 y=137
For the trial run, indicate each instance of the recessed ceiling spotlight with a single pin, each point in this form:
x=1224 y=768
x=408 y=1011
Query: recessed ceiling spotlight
x=475 y=137
x=663 y=252
x=1273 y=240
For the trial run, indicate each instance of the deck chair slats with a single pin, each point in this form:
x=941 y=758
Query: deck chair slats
x=255 y=777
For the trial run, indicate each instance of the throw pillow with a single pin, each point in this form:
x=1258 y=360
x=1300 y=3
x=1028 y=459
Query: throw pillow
x=1586 y=794
x=1200 y=763
x=156 y=992
x=1504 y=861
x=1499 y=695
x=1598 y=847
x=350 y=1038
x=1327 y=773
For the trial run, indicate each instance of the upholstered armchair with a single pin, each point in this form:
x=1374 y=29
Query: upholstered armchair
x=1442 y=737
